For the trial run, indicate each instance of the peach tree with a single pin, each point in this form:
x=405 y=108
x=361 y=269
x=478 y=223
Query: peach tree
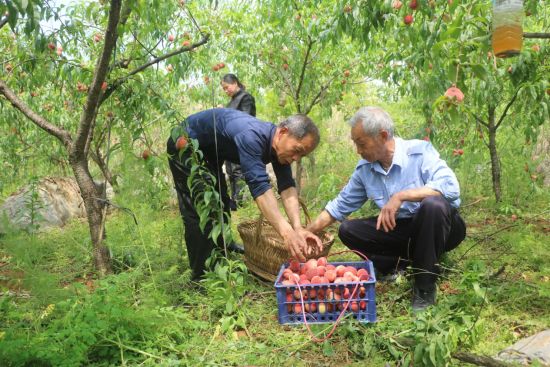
x=66 y=69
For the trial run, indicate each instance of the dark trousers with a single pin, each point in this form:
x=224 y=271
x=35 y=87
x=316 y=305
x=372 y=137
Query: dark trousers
x=420 y=241
x=199 y=246
x=236 y=182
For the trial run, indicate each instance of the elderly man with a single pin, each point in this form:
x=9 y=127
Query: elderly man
x=418 y=197
x=232 y=135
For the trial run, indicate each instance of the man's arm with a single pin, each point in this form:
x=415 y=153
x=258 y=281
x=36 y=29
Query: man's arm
x=386 y=218
x=321 y=222
x=291 y=204
x=268 y=206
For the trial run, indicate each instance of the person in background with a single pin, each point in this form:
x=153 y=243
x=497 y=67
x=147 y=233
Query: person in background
x=226 y=134
x=418 y=196
x=243 y=101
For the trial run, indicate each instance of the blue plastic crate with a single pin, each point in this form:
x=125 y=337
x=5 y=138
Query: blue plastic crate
x=286 y=308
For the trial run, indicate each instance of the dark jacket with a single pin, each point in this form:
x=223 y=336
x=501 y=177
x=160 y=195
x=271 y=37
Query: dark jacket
x=227 y=134
x=243 y=101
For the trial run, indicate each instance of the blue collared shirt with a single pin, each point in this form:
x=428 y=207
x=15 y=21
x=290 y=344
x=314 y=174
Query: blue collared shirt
x=415 y=164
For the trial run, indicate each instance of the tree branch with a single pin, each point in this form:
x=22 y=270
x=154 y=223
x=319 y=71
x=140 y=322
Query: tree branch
x=479 y=360
x=61 y=134
x=507 y=108
x=304 y=65
x=139 y=69
x=93 y=100
x=536 y=35
x=317 y=98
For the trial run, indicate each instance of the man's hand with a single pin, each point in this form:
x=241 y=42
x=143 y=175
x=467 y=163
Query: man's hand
x=296 y=244
x=388 y=213
x=314 y=245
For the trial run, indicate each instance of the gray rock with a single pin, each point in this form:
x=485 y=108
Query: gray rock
x=528 y=350
x=49 y=202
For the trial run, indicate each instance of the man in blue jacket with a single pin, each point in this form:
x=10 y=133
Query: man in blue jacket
x=227 y=134
x=418 y=196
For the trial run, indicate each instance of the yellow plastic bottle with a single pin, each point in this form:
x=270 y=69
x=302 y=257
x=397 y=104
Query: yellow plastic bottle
x=507 y=27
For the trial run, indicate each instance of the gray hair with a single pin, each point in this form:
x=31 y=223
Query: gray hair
x=300 y=125
x=373 y=120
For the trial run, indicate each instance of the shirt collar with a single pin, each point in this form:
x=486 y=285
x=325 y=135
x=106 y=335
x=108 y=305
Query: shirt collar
x=399 y=156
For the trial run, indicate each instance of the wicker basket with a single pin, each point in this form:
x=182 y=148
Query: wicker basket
x=264 y=249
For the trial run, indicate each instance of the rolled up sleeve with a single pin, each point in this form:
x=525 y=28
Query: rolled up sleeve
x=253 y=169
x=438 y=176
x=351 y=198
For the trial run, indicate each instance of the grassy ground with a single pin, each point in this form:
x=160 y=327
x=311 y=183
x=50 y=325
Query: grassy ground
x=54 y=311
x=495 y=291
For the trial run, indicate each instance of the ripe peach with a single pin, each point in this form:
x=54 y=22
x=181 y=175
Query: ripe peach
x=453 y=93
x=311 y=263
x=408 y=19
x=330 y=267
x=397 y=4
x=294 y=266
x=321 y=271
x=146 y=154
x=312 y=293
x=59 y=50
x=354 y=307
x=340 y=270
x=285 y=66
x=297 y=308
x=316 y=280
x=330 y=275
x=362 y=292
x=346 y=73
x=171 y=38
x=322 y=308
x=362 y=271
x=322 y=261
x=186 y=43
x=104 y=86
x=181 y=143
x=413 y=4
x=311 y=273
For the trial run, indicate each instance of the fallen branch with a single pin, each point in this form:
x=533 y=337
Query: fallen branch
x=479 y=360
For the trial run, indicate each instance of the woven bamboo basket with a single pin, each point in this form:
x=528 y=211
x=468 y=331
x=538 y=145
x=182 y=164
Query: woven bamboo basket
x=264 y=249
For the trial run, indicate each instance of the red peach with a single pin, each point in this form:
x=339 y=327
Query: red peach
x=321 y=270
x=340 y=270
x=316 y=280
x=354 y=307
x=294 y=266
x=330 y=275
x=363 y=305
x=322 y=261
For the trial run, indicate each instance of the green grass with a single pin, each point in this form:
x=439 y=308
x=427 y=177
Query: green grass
x=54 y=310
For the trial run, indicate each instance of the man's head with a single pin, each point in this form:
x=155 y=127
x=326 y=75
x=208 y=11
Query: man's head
x=295 y=138
x=371 y=130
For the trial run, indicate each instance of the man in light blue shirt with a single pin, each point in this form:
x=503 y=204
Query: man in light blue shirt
x=418 y=196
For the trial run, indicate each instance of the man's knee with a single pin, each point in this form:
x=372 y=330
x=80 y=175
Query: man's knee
x=344 y=231
x=435 y=204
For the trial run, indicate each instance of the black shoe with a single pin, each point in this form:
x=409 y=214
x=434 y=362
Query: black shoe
x=235 y=247
x=423 y=298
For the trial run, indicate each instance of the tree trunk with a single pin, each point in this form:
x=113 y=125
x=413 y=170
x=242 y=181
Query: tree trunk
x=95 y=213
x=495 y=164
